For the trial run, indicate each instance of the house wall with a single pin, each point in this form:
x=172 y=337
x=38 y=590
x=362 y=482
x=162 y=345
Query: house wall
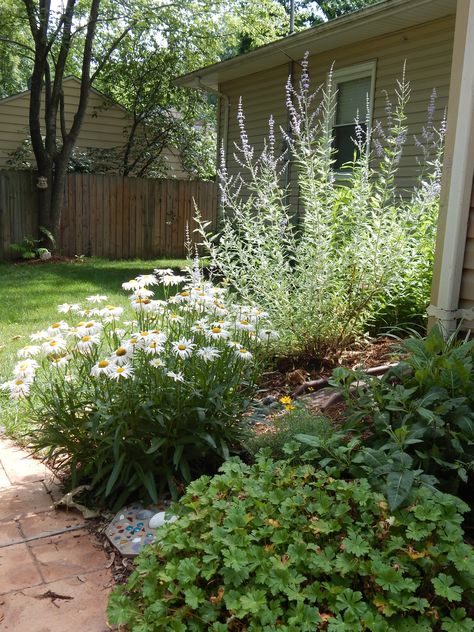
x=467 y=284
x=427 y=50
x=104 y=126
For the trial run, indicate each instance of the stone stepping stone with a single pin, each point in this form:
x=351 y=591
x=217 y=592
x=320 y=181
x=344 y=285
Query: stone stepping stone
x=130 y=529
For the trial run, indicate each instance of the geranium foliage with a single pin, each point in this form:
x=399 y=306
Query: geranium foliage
x=286 y=548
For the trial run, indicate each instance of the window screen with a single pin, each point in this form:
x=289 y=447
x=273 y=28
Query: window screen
x=351 y=100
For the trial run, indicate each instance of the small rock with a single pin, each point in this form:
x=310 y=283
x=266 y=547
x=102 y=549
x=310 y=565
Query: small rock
x=266 y=401
x=159 y=519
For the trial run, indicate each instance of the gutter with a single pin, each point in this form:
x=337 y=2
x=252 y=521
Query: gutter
x=460 y=183
x=320 y=37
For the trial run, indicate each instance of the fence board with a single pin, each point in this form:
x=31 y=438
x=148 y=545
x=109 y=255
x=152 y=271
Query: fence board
x=108 y=216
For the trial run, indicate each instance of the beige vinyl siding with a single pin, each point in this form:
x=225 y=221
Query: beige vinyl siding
x=427 y=50
x=105 y=125
x=467 y=284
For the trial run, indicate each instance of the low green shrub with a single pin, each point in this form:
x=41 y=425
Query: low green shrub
x=417 y=420
x=281 y=548
x=132 y=404
x=285 y=427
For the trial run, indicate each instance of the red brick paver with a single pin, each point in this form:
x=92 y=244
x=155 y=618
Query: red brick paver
x=53 y=574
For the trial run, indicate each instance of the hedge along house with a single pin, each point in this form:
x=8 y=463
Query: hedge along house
x=368 y=49
x=103 y=133
x=452 y=298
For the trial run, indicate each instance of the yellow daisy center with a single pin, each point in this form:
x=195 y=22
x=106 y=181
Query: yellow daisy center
x=18 y=382
x=85 y=338
x=182 y=347
x=103 y=364
x=55 y=325
x=244 y=322
x=121 y=352
x=119 y=369
x=243 y=350
x=216 y=330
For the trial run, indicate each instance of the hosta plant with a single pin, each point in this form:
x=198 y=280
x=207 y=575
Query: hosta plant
x=281 y=548
x=135 y=402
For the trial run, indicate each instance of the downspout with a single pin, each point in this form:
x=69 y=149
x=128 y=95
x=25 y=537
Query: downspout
x=459 y=179
x=226 y=106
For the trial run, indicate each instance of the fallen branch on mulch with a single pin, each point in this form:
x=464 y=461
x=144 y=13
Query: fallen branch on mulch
x=317 y=385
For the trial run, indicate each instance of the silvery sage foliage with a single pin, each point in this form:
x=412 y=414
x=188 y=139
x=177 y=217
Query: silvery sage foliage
x=358 y=250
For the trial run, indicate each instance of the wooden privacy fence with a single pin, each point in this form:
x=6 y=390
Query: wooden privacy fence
x=109 y=216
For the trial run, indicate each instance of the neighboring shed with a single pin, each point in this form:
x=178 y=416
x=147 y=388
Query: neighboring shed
x=368 y=49
x=453 y=280
x=104 y=127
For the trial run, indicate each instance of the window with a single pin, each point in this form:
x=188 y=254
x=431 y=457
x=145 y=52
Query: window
x=355 y=88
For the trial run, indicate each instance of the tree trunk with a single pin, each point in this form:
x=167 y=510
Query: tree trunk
x=44 y=191
x=57 y=195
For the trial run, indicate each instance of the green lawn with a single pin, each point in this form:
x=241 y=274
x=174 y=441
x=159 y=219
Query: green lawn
x=31 y=293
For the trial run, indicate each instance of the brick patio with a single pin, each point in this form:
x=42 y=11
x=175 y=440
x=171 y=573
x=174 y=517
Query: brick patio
x=53 y=575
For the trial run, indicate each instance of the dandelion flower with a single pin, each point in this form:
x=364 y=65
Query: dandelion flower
x=96 y=298
x=243 y=353
x=123 y=372
x=177 y=377
x=208 y=353
x=183 y=348
x=30 y=351
x=103 y=366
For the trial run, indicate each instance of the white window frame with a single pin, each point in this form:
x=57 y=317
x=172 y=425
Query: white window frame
x=357 y=71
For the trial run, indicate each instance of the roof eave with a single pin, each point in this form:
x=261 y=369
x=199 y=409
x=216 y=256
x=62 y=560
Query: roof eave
x=402 y=13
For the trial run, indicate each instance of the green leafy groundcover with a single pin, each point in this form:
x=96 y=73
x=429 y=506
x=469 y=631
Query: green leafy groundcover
x=280 y=547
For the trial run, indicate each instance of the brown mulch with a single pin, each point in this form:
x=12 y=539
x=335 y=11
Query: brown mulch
x=284 y=379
